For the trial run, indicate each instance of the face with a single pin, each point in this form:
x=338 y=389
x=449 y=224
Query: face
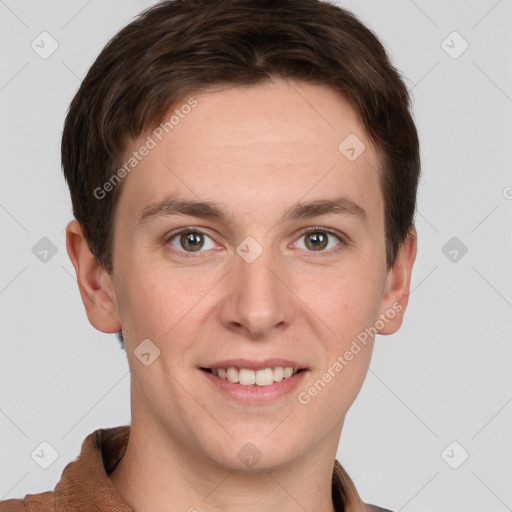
x=284 y=267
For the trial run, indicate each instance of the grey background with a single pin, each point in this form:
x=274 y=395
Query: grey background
x=444 y=377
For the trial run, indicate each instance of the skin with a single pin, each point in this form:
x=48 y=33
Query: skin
x=255 y=151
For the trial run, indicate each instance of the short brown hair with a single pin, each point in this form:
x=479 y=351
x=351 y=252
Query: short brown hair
x=178 y=47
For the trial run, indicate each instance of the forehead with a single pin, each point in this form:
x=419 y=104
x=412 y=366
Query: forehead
x=255 y=147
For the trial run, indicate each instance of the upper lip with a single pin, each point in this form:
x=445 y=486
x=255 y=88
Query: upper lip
x=255 y=365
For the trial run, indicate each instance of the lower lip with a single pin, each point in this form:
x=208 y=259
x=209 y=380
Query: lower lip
x=257 y=394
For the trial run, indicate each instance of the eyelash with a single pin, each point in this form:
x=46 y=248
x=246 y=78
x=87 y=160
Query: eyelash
x=307 y=231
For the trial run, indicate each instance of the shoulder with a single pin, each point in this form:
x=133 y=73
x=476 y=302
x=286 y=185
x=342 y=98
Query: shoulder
x=12 y=506
x=83 y=480
x=42 y=502
x=374 y=508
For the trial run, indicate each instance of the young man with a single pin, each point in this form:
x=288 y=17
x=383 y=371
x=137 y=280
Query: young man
x=243 y=176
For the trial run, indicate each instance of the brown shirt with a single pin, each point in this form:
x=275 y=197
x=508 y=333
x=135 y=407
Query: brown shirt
x=86 y=487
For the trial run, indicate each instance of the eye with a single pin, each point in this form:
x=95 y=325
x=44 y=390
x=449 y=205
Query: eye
x=316 y=240
x=190 y=241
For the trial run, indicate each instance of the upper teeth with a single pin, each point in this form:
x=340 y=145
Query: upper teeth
x=248 y=377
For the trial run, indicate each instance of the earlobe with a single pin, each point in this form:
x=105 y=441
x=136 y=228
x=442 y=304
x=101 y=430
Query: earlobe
x=398 y=281
x=94 y=283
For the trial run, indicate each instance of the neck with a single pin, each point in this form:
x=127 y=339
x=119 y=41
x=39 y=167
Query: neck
x=156 y=474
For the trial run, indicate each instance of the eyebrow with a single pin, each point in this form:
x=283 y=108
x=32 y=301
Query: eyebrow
x=208 y=210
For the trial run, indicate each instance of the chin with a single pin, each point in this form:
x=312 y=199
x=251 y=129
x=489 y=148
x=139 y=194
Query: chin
x=257 y=453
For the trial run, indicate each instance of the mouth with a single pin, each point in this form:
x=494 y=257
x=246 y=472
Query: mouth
x=254 y=377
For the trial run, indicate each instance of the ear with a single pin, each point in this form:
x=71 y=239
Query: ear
x=396 y=288
x=95 y=285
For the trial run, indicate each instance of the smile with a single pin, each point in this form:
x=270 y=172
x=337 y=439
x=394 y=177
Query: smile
x=261 y=385
x=248 y=377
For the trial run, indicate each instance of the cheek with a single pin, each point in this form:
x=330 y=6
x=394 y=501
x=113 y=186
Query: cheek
x=144 y=298
x=164 y=305
x=348 y=352
x=348 y=300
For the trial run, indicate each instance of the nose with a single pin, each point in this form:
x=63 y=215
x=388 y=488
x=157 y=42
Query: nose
x=257 y=300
